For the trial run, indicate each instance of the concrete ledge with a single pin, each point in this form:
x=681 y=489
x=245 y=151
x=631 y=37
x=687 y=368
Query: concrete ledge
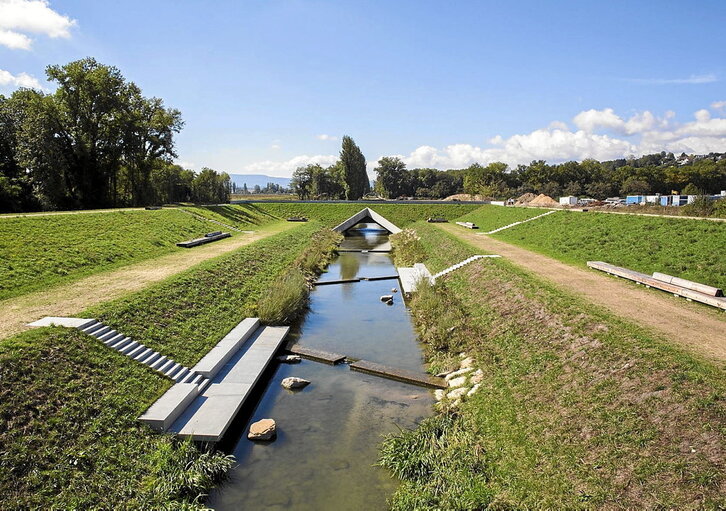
x=393 y=373
x=79 y=323
x=316 y=355
x=170 y=406
x=215 y=359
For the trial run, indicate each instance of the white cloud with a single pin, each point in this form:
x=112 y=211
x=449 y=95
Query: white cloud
x=10 y=81
x=600 y=134
x=326 y=137
x=275 y=147
x=719 y=105
x=18 y=17
x=286 y=168
x=14 y=40
x=691 y=80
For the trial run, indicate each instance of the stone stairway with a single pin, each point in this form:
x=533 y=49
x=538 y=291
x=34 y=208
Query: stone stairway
x=459 y=265
x=140 y=353
x=126 y=346
x=521 y=222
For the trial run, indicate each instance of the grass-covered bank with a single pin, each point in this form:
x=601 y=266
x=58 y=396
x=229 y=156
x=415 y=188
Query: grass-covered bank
x=186 y=315
x=402 y=215
x=692 y=249
x=41 y=251
x=488 y=217
x=578 y=409
x=69 y=405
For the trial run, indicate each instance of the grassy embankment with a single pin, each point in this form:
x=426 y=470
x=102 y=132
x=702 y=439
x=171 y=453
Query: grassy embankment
x=241 y=216
x=402 y=215
x=578 y=409
x=68 y=404
x=692 y=249
x=488 y=218
x=41 y=251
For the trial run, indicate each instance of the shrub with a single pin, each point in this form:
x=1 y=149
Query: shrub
x=407 y=247
x=285 y=299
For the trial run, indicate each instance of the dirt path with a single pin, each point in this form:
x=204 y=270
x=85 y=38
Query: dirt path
x=73 y=298
x=691 y=325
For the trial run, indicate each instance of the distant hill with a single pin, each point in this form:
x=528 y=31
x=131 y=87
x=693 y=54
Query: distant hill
x=258 y=179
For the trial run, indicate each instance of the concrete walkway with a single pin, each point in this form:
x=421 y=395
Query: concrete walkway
x=688 y=324
x=73 y=298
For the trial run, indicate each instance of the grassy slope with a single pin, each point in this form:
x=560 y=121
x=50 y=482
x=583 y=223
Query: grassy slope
x=37 y=252
x=578 y=409
x=402 y=215
x=188 y=314
x=488 y=218
x=68 y=405
x=692 y=249
x=236 y=215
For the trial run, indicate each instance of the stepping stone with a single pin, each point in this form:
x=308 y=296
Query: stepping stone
x=264 y=429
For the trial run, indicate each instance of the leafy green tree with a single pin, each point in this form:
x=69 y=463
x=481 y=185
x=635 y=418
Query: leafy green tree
x=393 y=178
x=211 y=187
x=302 y=182
x=635 y=186
x=354 y=170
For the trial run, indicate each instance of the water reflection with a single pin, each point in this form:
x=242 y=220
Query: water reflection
x=328 y=433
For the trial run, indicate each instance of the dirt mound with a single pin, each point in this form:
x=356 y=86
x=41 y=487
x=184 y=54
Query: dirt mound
x=543 y=200
x=465 y=197
x=526 y=198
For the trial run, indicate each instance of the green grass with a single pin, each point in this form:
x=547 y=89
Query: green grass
x=189 y=313
x=402 y=215
x=488 y=218
x=41 y=251
x=578 y=409
x=69 y=405
x=691 y=249
x=240 y=216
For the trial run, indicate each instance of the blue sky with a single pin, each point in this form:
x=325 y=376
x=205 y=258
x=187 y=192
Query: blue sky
x=265 y=86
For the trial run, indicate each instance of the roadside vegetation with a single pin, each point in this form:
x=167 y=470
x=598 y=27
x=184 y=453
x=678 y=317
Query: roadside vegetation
x=41 y=251
x=578 y=409
x=69 y=405
x=692 y=249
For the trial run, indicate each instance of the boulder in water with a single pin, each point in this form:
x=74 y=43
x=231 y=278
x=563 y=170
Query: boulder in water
x=264 y=429
x=293 y=382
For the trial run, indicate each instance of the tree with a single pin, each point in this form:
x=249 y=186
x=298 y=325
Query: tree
x=354 y=170
x=634 y=186
x=488 y=181
x=393 y=179
x=301 y=182
x=211 y=187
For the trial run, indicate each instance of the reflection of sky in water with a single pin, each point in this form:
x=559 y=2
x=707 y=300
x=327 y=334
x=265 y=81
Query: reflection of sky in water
x=329 y=432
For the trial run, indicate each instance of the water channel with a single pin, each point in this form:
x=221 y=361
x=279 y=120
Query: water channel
x=329 y=432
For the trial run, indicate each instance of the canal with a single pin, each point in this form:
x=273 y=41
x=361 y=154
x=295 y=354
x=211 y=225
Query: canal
x=328 y=433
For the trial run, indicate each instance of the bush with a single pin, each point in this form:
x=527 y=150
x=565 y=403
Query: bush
x=285 y=299
x=407 y=248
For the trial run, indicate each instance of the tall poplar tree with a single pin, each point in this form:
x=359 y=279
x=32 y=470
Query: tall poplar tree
x=354 y=170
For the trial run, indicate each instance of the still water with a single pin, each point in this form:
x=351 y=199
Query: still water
x=329 y=432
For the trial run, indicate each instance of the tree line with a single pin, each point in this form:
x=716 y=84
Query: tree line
x=662 y=173
x=96 y=141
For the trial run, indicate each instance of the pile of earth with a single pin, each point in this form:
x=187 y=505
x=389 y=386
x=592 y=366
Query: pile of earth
x=466 y=197
x=544 y=201
x=525 y=199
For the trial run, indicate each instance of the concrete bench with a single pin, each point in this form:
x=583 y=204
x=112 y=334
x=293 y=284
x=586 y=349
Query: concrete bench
x=170 y=406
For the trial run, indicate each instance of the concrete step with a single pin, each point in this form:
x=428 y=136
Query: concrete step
x=108 y=336
x=179 y=376
x=165 y=366
x=162 y=360
x=98 y=333
x=228 y=346
x=113 y=339
x=92 y=328
x=118 y=346
x=168 y=407
x=142 y=354
x=172 y=370
x=198 y=379
x=151 y=358
x=190 y=377
x=129 y=347
x=136 y=351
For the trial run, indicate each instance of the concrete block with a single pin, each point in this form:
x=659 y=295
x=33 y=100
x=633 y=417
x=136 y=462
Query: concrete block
x=215 y=359
x=79 y=323
x=168 y=407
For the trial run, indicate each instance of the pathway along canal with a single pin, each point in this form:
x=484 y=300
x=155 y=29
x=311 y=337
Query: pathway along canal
x=329 y=432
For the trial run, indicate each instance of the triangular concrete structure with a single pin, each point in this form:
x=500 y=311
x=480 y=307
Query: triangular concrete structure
x=364 y=214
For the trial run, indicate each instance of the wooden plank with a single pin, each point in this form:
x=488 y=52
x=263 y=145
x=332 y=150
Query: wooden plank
x=384 y=277
x=393 y=373
x=316 y=355
x=328 y=282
